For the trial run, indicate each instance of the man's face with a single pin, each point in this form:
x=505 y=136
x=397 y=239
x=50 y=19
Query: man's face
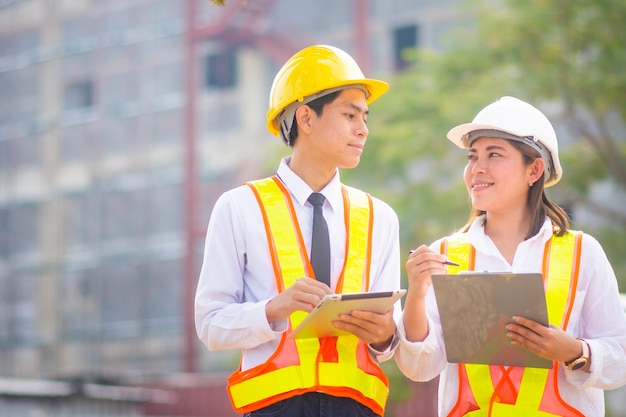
x=338 y=135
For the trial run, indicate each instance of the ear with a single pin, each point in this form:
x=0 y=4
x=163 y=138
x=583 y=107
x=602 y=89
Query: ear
x=303 y=118
x=536 y=170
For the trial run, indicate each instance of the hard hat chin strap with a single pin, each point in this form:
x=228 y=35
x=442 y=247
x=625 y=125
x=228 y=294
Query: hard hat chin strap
x=286 y=117
x=531 y=141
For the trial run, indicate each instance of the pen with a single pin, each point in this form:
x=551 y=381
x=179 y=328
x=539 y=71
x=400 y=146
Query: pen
x=447 y=262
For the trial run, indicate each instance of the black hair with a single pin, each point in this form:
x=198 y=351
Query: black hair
x=317 y=106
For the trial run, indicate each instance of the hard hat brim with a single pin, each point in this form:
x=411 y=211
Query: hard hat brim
x=458 y=133
x=375 y=89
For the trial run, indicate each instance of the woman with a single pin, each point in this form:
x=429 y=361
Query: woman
x=514 y=227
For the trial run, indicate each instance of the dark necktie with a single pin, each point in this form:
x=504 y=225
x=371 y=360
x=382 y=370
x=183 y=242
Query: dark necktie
x=320 y=245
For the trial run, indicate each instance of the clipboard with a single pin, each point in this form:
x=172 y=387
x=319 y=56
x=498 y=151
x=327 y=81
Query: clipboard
x=474 y=309
x=318 y=323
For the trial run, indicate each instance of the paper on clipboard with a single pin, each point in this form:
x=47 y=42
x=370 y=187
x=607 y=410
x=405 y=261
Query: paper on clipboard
x=474 y=309
x=318 y=323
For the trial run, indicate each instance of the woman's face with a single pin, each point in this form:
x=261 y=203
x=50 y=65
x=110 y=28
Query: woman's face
x=496 y=176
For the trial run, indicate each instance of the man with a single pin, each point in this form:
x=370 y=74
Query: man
x=257 y=280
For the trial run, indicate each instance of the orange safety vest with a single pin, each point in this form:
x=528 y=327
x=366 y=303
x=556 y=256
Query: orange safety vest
x=499 y=391
x=339 y=366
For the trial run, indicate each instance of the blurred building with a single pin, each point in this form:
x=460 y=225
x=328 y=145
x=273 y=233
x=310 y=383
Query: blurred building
x=121 y=121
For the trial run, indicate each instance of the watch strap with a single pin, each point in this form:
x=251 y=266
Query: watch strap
x=582 y=360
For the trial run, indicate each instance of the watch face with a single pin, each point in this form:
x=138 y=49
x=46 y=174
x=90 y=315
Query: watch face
x=579 y=363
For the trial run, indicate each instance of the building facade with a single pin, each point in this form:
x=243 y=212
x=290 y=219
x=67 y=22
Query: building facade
x=121 y=121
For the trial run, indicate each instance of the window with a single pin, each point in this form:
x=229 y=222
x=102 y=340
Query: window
x=74 y=144
x=122 y=214
x=405 y=37
x=79 y=307
x=80 y=215
x=79 y=95
x=138 y=298
x=121 y=298
x=164 y=213
x=221 y=70
x=121 y=291
x=167 y=127
x=22 y=222
x=162 y=296
x=18 y=321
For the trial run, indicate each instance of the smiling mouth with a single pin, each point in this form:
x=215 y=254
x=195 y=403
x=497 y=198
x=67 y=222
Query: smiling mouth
x=481 y=186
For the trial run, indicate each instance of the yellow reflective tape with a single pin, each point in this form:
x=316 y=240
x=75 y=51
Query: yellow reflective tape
x=534 y=380
x=558 y=285
x=508 y=410
x=559 y=276
x=479 y=378
x=268 y=385
x=283 y=233
x=291 y=261
x=346 y=347
x=357 y=240
x=458 y=251
x=531 y=388
x=334 y=375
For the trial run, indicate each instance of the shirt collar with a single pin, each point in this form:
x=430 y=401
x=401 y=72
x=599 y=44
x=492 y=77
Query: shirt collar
x=301 y=191
x=476 y=232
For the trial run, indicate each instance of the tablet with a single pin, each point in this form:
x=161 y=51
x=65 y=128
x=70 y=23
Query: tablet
x=474 y=309
x=318 y=323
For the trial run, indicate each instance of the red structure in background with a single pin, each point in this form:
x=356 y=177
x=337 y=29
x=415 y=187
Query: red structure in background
x=235 y=26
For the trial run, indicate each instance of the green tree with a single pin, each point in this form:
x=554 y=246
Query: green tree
x=564 y=56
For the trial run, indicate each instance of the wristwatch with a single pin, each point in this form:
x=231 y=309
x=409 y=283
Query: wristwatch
x=581 y=361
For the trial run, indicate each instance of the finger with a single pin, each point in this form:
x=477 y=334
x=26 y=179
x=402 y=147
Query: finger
x=536 y=327
x=365 y=331
x=373 y=323
x=522 y=331
x=310 y=287
x=426 y=268
x=419 y=250
x=370 y=316
x=300 y=300
x=425 y=254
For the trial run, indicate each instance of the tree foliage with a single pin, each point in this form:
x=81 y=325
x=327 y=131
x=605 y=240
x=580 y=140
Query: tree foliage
x=564 y=56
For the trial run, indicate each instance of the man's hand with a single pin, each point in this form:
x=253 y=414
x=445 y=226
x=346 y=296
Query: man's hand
x=372 y=328
x=303 y=295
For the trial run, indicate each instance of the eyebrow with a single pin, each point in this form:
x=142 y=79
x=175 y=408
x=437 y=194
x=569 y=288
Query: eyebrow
x=490 y=148
x=359 y=108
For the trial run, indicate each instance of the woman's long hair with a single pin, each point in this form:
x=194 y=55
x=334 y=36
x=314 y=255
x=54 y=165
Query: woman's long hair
x=537 y=201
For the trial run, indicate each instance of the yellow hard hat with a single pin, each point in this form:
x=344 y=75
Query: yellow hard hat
x=311 y=73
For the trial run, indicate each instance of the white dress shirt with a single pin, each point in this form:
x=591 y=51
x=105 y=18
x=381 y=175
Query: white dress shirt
x=237 y=278
x=597 y=316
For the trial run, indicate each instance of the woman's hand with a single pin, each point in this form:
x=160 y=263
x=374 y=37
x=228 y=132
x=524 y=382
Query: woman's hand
x=550 y=343
x=421 y=264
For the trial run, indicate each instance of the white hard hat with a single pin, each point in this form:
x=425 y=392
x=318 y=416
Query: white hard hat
x=514 y=119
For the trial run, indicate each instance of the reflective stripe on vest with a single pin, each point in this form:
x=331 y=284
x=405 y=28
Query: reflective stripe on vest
x=339 y=366
x=486 y=390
